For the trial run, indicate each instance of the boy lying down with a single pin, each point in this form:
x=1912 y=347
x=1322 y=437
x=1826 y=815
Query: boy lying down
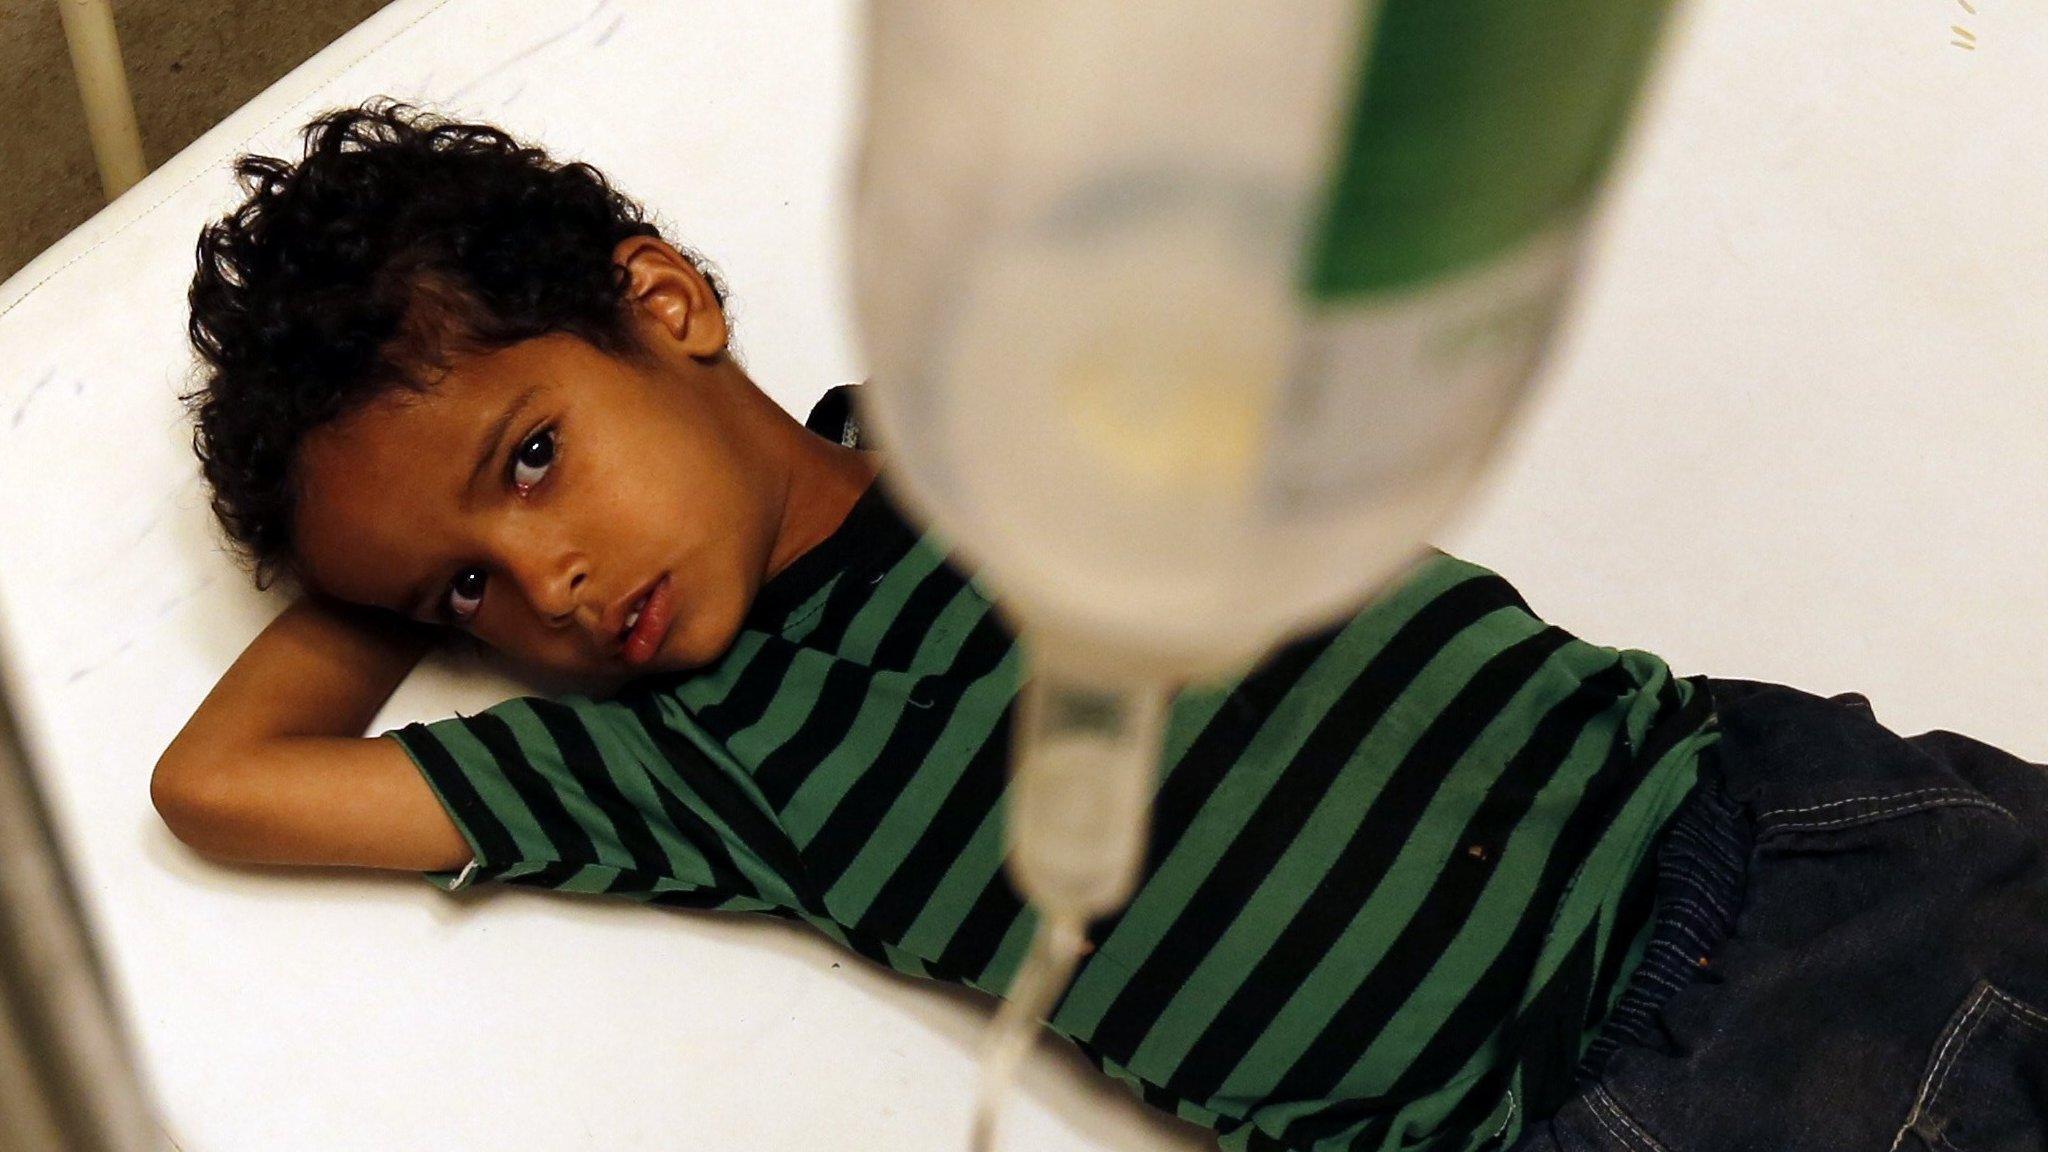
x=1439 y=875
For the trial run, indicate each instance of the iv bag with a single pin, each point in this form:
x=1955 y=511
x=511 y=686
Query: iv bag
x=1187 y=323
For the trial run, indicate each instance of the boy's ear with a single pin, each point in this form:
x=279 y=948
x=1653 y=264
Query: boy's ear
x=671 y=296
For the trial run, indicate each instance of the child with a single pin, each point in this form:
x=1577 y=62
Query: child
x=1438 y=875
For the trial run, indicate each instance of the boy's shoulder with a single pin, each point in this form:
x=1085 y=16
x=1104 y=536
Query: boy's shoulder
x=834 y=418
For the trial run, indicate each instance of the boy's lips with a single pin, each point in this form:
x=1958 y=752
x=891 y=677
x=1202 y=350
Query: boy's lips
x=623 y=614
x=657 y=606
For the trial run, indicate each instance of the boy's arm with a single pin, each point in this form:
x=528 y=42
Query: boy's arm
x=273 y=766
x=322 y=668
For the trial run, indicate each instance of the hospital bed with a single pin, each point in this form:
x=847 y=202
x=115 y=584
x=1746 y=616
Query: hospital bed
x=1793 y=432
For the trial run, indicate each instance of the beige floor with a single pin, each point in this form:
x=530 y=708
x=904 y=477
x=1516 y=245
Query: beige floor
x=190 y=63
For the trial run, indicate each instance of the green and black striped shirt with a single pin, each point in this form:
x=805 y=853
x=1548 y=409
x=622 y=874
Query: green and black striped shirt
x=1399 y=870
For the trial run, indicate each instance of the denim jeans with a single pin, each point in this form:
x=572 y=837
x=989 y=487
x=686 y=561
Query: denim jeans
x=1850 y=951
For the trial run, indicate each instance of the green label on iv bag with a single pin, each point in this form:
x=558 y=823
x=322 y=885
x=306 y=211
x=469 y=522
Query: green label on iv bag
x=1477 y=125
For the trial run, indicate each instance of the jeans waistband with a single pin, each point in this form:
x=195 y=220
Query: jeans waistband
x=1701 y=863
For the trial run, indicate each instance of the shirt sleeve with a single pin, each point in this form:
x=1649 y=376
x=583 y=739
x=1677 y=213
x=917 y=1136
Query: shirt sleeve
x=601 y=796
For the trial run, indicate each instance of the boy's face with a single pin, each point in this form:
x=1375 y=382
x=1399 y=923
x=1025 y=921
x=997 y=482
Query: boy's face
x=541 y=489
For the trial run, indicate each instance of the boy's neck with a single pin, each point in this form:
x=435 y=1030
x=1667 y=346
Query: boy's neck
x=824 y=482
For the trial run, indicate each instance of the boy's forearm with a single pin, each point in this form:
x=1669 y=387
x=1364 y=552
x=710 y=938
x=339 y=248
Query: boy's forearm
x=322 y=668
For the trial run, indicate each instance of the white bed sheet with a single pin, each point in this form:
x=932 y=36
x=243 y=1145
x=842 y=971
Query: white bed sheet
x=1793 y=434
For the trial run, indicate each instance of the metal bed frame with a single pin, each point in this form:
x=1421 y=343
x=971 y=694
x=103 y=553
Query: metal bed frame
x=68 y=1081
x=103 y=86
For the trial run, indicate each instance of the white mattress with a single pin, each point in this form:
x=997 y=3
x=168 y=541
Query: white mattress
x=1794 y=433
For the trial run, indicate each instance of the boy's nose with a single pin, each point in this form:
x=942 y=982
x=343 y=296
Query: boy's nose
x=567 y=615
x=554 y=587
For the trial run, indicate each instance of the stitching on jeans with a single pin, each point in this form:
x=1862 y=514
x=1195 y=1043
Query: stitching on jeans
x=2028 y=1016
x=1600 y=1095
x=1955 y=802
x=1593 y=1106
x=1960 y=1048
x=1879 y=813
x=1922 y=1100
x=1858 y=800
x=1935 y=1097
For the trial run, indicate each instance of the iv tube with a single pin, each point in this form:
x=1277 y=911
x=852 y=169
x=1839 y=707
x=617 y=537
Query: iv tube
x=1084 y=765
x=1055 y=947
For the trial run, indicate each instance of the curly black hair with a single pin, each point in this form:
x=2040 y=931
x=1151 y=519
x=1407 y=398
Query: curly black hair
x=399 y=240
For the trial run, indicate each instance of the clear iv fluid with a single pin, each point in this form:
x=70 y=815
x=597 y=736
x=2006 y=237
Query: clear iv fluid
x=1188 y=323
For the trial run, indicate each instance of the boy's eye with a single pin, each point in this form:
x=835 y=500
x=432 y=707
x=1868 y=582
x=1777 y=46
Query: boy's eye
x=537 y=452
x=468 y=585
